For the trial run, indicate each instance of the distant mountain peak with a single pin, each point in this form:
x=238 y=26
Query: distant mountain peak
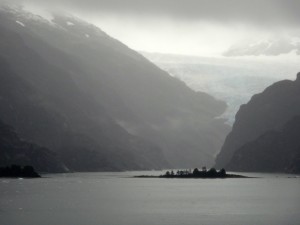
x=270 y=46
x=58 y=19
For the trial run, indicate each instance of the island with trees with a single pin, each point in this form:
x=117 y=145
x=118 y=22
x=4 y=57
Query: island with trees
x=196 y=173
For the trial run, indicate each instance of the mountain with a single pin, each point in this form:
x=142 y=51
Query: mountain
x=271 y=46
x=231 y=79
x=46 y=107
x=16 y=151
x=266 y=112
x=274 y=151
x=96 y=103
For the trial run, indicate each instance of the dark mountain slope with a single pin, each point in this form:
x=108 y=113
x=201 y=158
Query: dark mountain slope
x=270 y=110
x=47 y=107
x=274 y=151
x=111 y=94
x=16 y=151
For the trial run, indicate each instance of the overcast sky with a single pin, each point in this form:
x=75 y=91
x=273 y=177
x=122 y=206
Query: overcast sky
x=197 y=27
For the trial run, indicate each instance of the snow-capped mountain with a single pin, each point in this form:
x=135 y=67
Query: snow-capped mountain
x=271 y=46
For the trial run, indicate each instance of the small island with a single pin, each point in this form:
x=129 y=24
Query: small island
x=204 y=173
x=16 y=171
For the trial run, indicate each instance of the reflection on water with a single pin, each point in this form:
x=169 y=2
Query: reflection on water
x=119 y=199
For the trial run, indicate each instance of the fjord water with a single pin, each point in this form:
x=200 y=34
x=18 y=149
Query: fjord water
x=119 y=199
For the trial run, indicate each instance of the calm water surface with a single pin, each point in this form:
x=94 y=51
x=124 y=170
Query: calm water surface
x=118 y=199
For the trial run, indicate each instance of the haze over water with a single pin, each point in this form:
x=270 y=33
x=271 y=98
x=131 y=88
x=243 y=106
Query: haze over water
x=117 y=198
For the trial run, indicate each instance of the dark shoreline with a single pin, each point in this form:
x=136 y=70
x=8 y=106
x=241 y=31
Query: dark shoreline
x=17 y=171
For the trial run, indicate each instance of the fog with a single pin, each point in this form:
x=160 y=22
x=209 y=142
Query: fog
x=145 y=87
x=205 y=28
x=268 y=12
x=240 y=46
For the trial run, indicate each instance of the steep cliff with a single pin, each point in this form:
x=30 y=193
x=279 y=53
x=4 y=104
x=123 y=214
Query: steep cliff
x=270 y=110
x=274 y=151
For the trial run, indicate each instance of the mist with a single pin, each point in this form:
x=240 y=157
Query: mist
x=203 y=28
x=136 y=112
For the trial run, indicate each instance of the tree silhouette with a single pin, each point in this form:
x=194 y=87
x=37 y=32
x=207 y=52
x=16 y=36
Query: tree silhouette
x=195 y=171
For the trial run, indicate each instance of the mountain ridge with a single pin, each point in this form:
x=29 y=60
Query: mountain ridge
x=128 y=113
x=267 y=111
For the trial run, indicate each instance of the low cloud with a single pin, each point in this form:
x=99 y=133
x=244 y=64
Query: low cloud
x=257 y=12
x=197 y=27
